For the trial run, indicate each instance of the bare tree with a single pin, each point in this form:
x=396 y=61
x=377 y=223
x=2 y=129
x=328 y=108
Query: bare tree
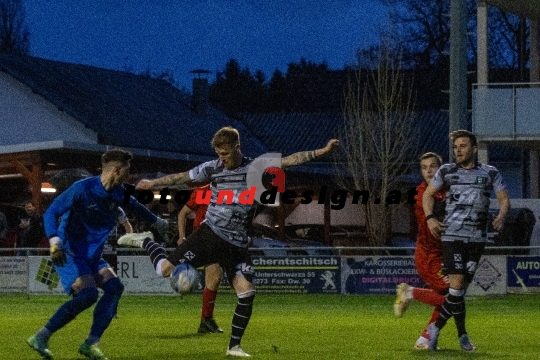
x=508 y=35
x=377 y=136
x=424 y=30
x=14 y=34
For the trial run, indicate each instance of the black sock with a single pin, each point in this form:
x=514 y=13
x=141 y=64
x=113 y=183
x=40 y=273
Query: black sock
x=444 y=315
x=241 y=317
x=458 y=311
x=154 y=250
x=454 y=305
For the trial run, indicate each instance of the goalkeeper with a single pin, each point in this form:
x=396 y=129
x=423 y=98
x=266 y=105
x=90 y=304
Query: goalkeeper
x=88 y=213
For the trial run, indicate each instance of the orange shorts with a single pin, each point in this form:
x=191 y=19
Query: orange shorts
x=429 y=266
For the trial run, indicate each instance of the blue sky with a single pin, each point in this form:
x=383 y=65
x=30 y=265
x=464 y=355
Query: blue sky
x=180 y=36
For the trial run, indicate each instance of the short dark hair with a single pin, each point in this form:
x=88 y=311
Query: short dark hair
x=225 y=136
x=430 y=155
x=120 y=155
x=463 y=133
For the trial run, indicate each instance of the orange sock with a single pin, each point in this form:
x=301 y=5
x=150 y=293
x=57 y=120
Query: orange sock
x=208 y=301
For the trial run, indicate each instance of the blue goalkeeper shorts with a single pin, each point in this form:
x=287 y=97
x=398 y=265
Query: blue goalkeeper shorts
x=76 y=267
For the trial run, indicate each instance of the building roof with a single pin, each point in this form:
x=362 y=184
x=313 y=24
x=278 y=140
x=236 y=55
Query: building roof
x=289 y=133
x=125 y=109
x=292 y=132
x=139 y=112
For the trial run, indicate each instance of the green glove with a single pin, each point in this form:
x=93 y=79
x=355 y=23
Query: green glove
x=58 y=255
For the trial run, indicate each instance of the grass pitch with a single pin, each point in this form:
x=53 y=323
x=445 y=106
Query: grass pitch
x=282 y=327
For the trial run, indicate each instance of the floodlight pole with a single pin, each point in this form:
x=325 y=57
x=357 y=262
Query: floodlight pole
x=458 y=66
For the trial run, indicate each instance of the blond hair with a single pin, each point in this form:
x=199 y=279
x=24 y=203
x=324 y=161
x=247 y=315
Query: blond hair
x=225 y=136
x=430 y=155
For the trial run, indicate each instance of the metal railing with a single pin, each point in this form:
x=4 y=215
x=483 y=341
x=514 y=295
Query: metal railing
x=290 y=251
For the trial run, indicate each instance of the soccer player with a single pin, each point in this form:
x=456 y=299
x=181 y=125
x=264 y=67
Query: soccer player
x=88 y=212
x=212 y=273
x=468 y=186
x=222 y=237
x=427 y=255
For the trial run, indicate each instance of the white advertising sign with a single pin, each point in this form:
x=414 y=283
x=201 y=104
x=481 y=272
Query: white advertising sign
x=139 y=277
x=42 y=276
x=13 y=274
x=490 y=277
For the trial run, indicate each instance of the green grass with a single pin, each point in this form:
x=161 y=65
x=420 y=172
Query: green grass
x=282 y=327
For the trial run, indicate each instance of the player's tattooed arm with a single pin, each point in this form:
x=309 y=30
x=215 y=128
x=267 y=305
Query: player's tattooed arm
x=169 y=180
x=305 y=156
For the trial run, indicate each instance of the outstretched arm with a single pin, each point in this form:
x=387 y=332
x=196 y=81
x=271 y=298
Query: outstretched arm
x=169 y=180
x=305 y=156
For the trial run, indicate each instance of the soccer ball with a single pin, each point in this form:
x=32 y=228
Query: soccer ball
x=183 y=278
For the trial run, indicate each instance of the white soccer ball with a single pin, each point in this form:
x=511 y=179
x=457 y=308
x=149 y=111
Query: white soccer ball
x=183 y=278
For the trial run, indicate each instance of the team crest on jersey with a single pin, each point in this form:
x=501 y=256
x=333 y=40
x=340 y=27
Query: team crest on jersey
x=481 y=180
x=189 y=255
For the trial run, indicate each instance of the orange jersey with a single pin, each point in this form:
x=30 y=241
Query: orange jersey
x=199 y=209
x=424 y=238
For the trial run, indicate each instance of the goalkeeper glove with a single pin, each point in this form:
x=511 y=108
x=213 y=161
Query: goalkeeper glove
x=160 y=229
x=58 y=255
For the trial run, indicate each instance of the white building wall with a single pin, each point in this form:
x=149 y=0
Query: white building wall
x=26 y=117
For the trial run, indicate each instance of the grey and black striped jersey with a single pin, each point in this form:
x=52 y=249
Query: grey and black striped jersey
x=228 y=221
x=467 y=199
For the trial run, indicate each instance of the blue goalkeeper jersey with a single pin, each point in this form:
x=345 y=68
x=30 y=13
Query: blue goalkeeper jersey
x=84 y=215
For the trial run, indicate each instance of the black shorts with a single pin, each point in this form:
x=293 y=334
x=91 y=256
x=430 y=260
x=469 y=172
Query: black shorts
x=204 y=247
x=462 y=258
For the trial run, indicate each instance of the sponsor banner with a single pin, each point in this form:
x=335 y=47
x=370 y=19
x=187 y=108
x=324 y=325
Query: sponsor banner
x=304 y=274
x=377 y=274
x=523 y=274
x=490 y=277
x=13 y=274
x=135 y=272
x=496 y=275
x=139 y=277
x=42 y=276
x=297 y=275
